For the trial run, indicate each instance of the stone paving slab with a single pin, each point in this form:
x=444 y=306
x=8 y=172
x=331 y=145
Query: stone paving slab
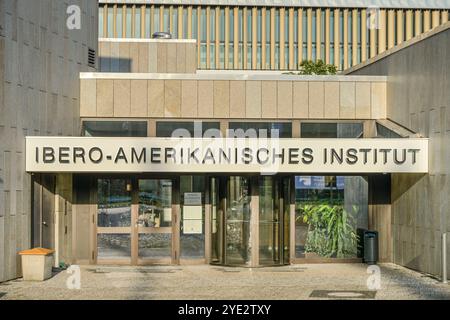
x=204 y=282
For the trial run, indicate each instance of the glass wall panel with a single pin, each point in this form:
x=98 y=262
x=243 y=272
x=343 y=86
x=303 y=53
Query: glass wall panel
x=113 y=218
x=155 y=245
x=383 y=132
x=195 y=129
x=329 y=211
x=155 y=203
x=331 y=130
x=237 y=238
x=270 y=221
x=114 y=203
x=192 y=237
x=113 y=246
x=260 y=129
x=155 y=214
x=115 y=128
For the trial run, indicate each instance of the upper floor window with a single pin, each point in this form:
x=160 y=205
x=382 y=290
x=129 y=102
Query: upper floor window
x=260 y=130
x=187 y=129
x=331 y=130
x=115 y=128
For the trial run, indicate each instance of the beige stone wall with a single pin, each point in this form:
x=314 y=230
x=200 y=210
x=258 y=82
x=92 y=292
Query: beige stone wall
x=418 y=98
x=231 y=96
x=147 y=55
x=40 y=61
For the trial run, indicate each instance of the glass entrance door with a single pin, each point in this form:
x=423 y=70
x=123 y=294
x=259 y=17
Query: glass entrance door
x=232 y=231
x=154 y=221
x=230 y=206
x=134 y=221
x=114 y=221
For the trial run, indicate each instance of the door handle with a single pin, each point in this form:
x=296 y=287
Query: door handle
x=44 y=223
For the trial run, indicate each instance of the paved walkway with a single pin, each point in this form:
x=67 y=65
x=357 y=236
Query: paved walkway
x=210 y=282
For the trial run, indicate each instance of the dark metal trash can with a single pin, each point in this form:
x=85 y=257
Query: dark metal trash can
x=370 y=247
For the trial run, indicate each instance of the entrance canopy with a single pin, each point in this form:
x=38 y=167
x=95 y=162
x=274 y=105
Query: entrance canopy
x=226 y=155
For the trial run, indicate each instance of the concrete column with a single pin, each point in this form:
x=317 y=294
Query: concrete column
x=255 y=38
x=244 y=38
x=171 y=19
x=444 y=16
x=345 y=40
x=217 y=36
x=161 y=18
x=309 y=34
x=318 y=34
x=263 y=38
x=373 y=34
x=409 y=24
x=180 y=22
x=291 y=39
x=417 y=22
x=142 y=21
x=236 y=38
x=152 y=14
x=124 y=21
x=327 y=36
x=363 y=35
x=115 y=21
x=282 y=39
x=105 y=21
x=227 y=38
x=272 y=38
x=435 y=19
x=400 y=25
x=133 y=21
x=189 y=22
x=208 y=37
x=382 y=31
x=426 y=20
x=299 y=36
x=354 y=37
x=391 y=34
x=337 y=57
x=199 y=32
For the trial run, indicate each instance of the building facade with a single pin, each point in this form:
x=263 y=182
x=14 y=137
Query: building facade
x=40 y=61
x=275 y=35
x=178 y=166
x=147 y=158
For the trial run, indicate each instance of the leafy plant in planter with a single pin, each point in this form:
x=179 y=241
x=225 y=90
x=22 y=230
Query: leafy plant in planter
x=330 y=230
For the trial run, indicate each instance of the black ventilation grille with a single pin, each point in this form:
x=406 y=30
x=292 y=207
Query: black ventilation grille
x=91 y=57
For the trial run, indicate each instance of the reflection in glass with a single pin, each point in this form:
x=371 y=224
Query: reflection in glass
x=329 y=210
x=113 y=246
x=237 y=241
x=269 y=221
x=115 y=128
x=216 y=222
x=187 y=129
x=114 y=203
x=155 y=245
x=260 y=130
x=331 y=130
x=155 y=203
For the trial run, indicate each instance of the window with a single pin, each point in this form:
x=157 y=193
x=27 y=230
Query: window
x=260 y=130
x=383 y=132
x=331 y=130
x=195 y=129
x=115 y=128
x=323 y=204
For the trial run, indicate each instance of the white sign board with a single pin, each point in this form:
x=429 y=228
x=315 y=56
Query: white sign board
x=192 y=198
x=226 y=155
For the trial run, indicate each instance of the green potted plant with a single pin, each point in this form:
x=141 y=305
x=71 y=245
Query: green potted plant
x=330 y=230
